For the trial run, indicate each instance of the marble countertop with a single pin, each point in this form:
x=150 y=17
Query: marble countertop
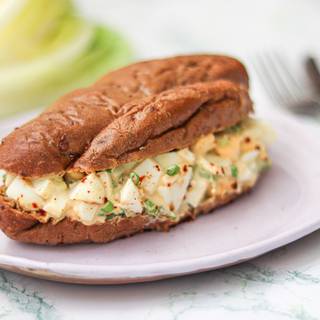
x=284 y=284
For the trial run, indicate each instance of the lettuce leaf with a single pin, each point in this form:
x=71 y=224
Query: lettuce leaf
x=47 y=50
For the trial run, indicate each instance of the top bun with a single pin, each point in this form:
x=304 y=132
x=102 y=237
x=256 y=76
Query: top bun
x=130 y=114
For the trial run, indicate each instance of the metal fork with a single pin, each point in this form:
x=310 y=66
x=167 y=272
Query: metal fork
x=282 y=86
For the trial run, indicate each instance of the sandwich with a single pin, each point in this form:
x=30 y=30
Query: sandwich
x=144 y=148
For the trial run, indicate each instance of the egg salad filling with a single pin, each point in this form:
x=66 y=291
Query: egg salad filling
x=163 y=187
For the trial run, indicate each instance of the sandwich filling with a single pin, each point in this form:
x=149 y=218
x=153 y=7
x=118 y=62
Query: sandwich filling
x=163 y=187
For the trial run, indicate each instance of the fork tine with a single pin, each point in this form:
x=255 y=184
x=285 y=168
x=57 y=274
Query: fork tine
x=281 y=80
x=257 y=67
x=282 y=87
x=289 y=77
x=267 y=80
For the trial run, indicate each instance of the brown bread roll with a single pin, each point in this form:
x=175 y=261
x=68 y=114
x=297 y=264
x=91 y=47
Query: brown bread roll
x=60 y=172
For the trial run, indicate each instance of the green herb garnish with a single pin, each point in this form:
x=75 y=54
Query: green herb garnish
x=122 y=213
x=101 y=214
x=151 y=208
x=173 y=170
x=108 y=207
x=135 y=178
x=108 y=170
x=234 y=171
x=171 y=215
x=110 y=216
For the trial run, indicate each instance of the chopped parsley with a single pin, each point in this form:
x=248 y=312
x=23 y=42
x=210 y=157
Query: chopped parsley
x=234 y=171
x=122 y=213
x=108 y=207
x=171 y=215
x=110 y=216
x=173 y=170
x=108 y=170
x=151 y=208
x=101 y=214
x=135 y=178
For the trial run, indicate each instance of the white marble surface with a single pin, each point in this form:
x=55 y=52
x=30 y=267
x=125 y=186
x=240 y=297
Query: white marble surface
x=284 y=284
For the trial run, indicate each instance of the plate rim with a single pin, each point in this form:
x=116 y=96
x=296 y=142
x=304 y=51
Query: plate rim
x=119 y=274
x=153 y=271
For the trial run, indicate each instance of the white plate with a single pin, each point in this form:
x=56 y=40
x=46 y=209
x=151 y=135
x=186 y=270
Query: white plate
x=283 y=208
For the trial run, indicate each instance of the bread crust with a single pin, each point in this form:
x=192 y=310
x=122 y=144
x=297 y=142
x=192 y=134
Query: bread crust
x=59 y=136
x=173 y=119
x=22 y=227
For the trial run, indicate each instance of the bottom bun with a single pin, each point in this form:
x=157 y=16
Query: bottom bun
x=22 y=227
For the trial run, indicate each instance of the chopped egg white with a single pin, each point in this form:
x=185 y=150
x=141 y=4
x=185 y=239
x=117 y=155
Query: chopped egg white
x=46 y=188
x=106 y=179
x=197 y=190
x=57 y=204
x=211 y=167
x=168 y=159
x=187 y=156
x=149 y=172
x=172 y=194
x=23 y=193
x=245 y=173
x=89 y=189
x=130 y=197
x=85 y=211
x=249 y=156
